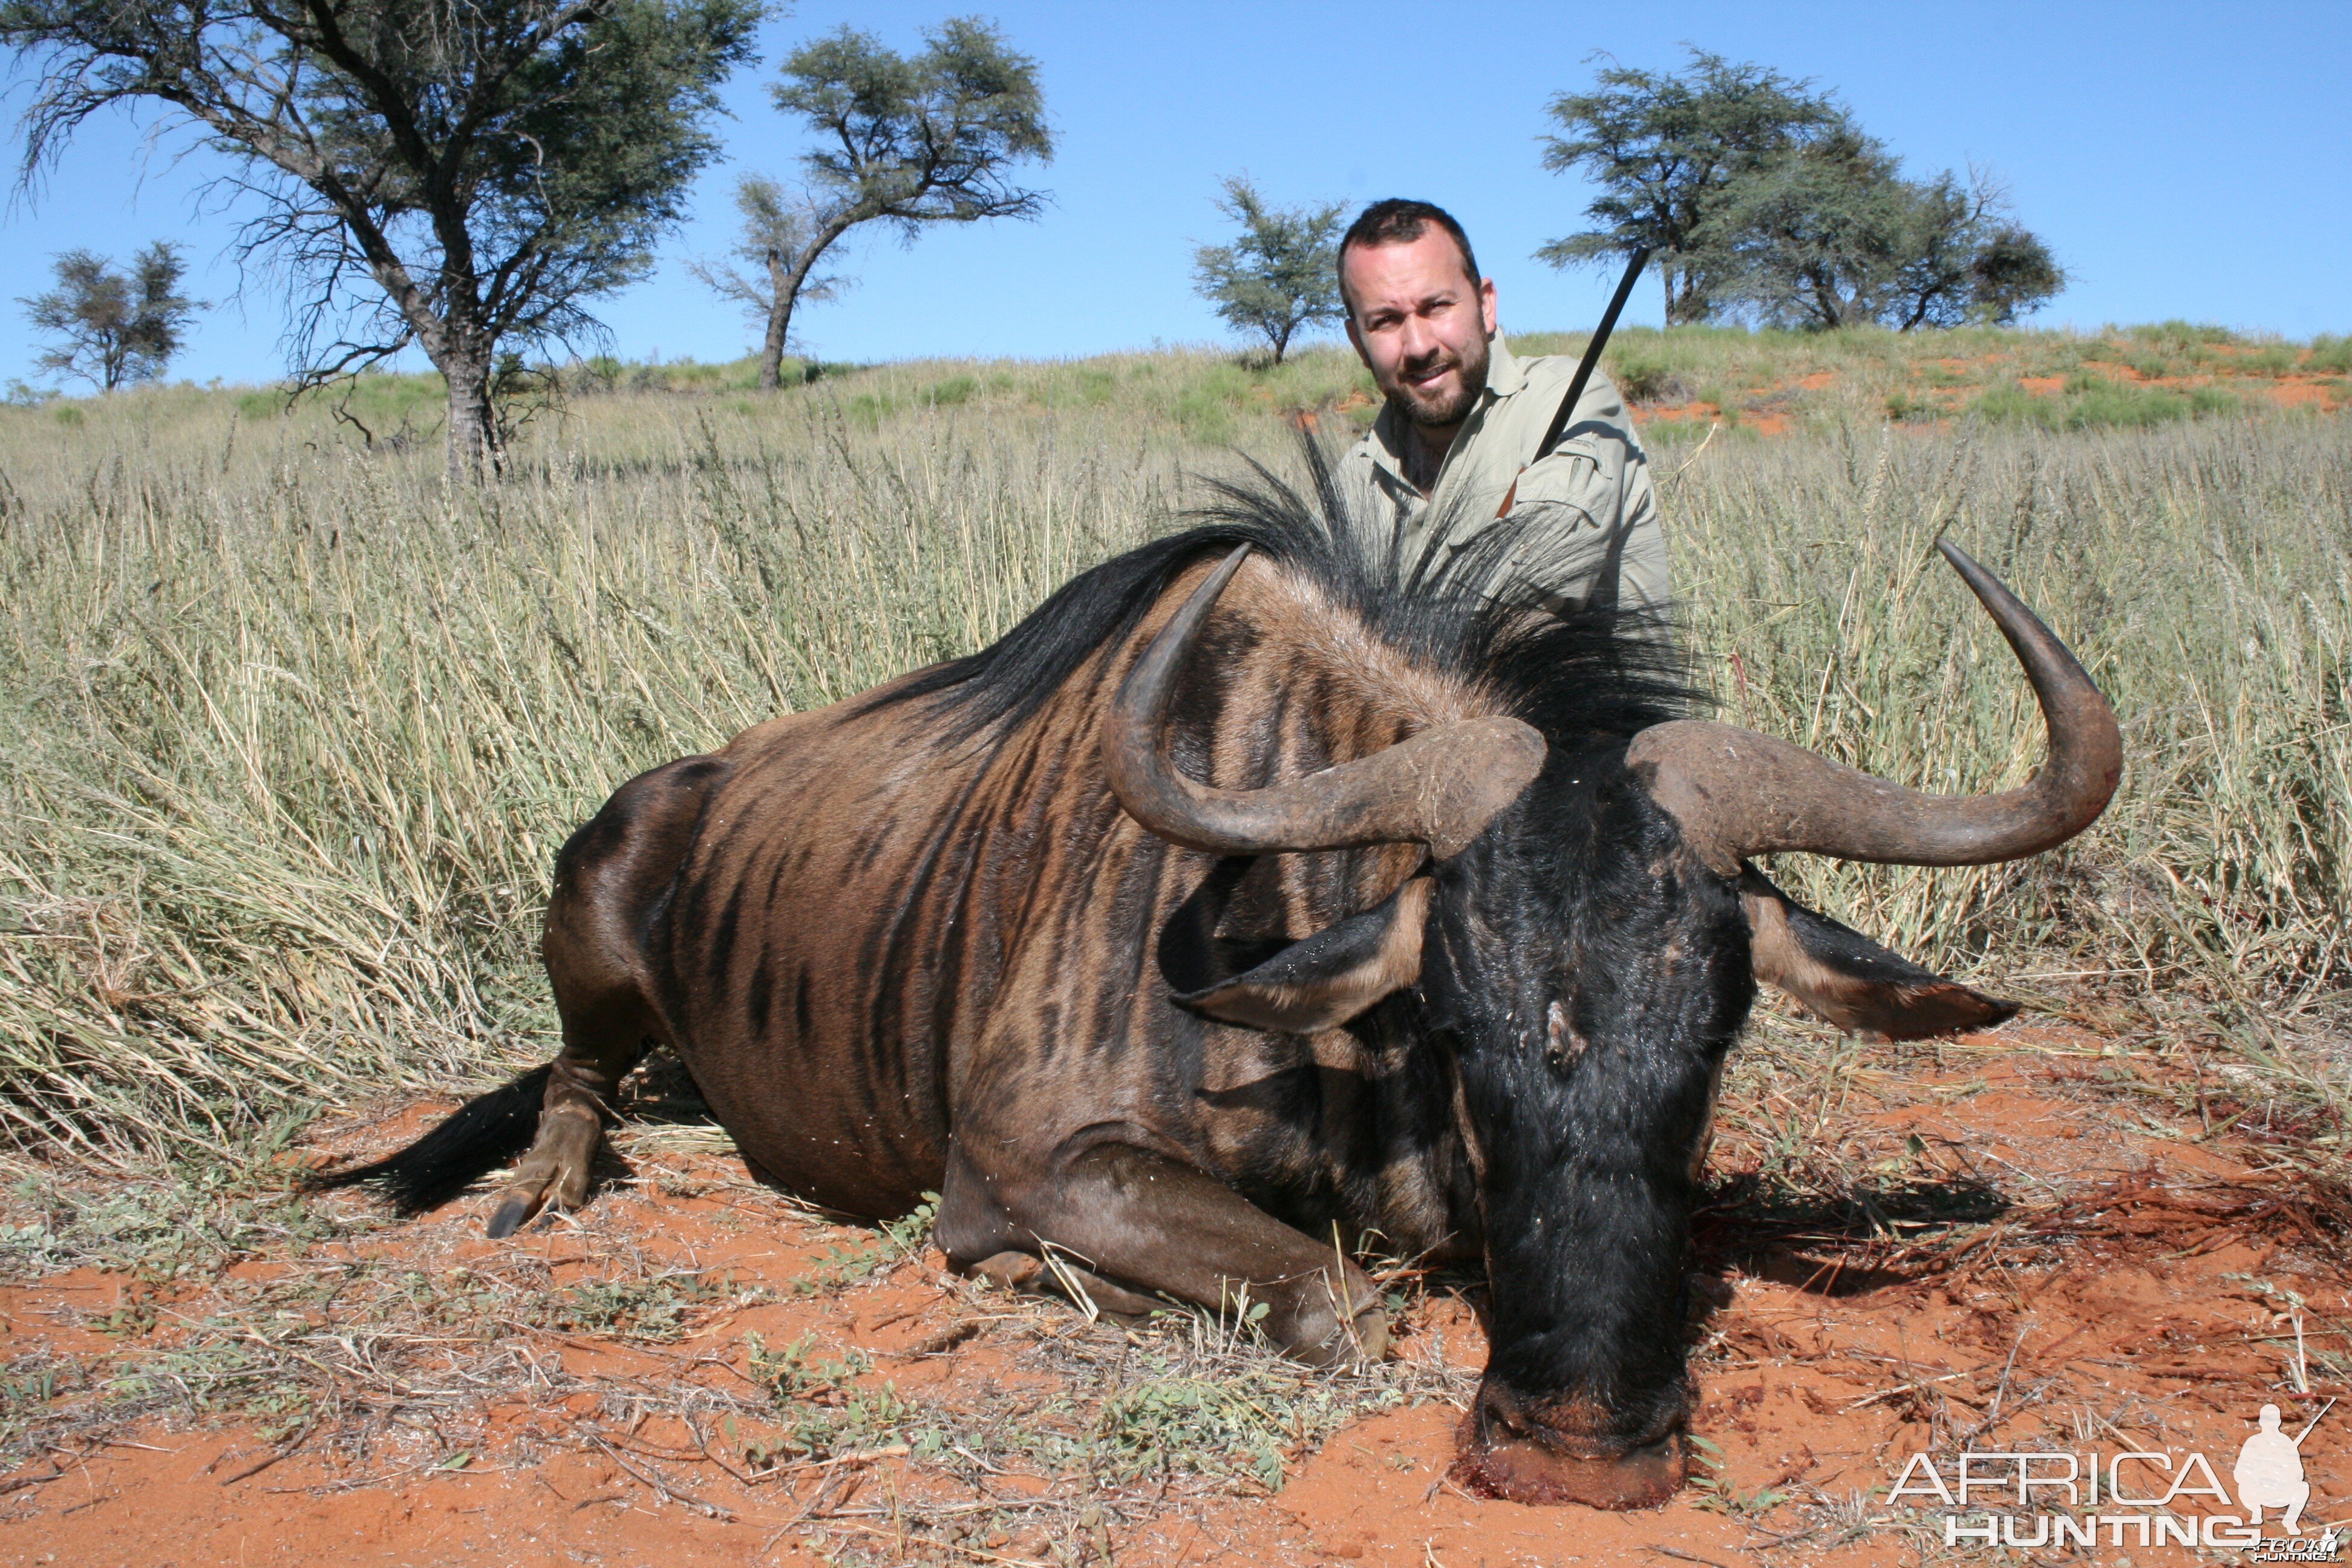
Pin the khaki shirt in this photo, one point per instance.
(1593, 479)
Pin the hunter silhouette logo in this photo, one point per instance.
(2269, 1471)
(2062, 1499)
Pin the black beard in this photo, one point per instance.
(1454, 410)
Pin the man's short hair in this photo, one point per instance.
(1400, 221)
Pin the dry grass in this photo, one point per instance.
(294, 732)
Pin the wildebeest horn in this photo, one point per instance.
(1440, 787)
(1736, 792)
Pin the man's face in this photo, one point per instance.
(1422, 325)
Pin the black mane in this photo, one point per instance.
(1570, 671)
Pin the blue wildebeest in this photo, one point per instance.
(1236, 907)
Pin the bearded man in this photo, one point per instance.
(1456, 444)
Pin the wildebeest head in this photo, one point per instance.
(1581, 944)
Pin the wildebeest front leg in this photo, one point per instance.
(1154, 1222)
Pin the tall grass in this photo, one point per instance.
(294, 731)
(2203, 573)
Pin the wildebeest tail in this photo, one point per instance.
(482, 1135)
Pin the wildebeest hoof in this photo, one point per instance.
(522, 1199)
(1032, 1276)
(1527, 1470)
(1013, 1270)
(554, 1173)
(514, 1208)
(1316, 1335)
(1370, 1341)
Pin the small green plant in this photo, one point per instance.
(226, 1373)
(27, 1388)
(868, 1418)
(949, 393)
(134, 1319)
(828, 1413)
(2119, 407)
(1188, 1424)
(652, 1311)
(1644, 379)
(1717, 1493)
(892, 1244)
(869, 408)
(2090, 403)
(2329, 355)
(2181, 336)
(158, 1230)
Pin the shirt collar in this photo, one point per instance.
(1504, 373)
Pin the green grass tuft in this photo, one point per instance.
(2329, 356)
(2089, 402)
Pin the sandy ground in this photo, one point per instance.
(2043, 1246)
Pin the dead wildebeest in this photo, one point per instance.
(1447, 944)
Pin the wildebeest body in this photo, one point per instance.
(1225, 916)
(870, 928)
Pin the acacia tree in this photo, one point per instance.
(1763, 198)
(908, 142)
(1832, 235)
(1815, 238)
(1665, 150)
(457, 176)
(1278, 277)
(779, 228)
(111, 328)
(2011, 273)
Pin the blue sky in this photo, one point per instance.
(2183, 161)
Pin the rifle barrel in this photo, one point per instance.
(1600, 341)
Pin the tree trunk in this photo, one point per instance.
(473, 428)
(788, 290)
(1681, 303)
(780, 315)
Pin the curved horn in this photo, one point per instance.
(1440, 788)
(1736, 792)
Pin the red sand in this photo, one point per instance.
(2134, 1303)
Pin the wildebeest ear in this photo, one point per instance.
(1850, 980)
(1324, 980)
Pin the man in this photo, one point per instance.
(1465, 417)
